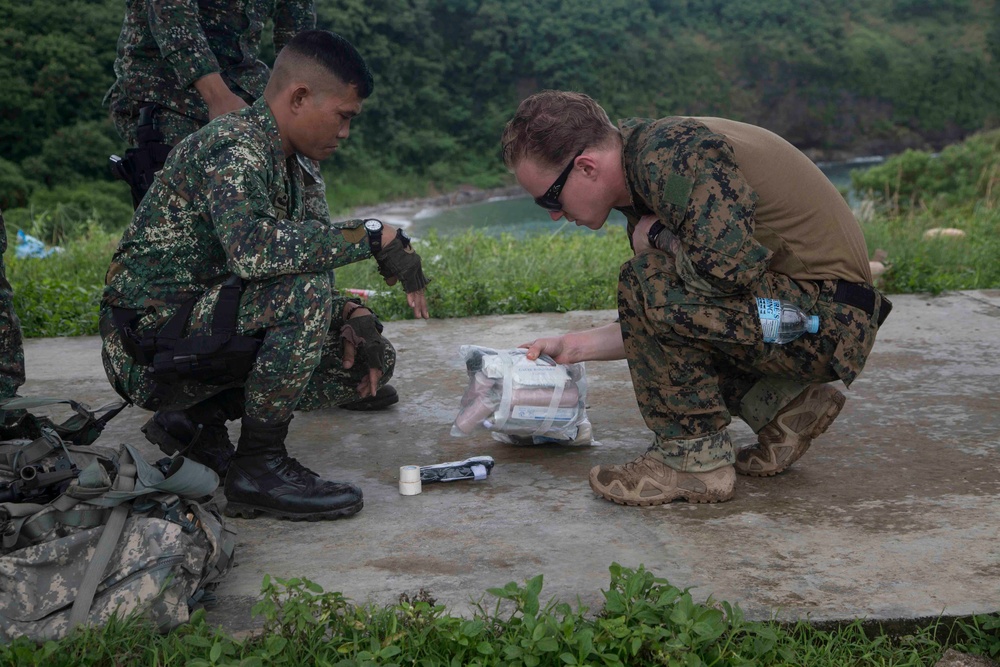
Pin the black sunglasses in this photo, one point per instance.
(550, 200)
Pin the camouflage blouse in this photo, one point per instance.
(686, 174)
(228, 201)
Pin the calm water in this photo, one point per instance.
(521, 217)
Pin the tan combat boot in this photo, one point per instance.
(787, 437)
(647, 481)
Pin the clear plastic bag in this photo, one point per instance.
(523, 402)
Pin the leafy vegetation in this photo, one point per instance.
(60, 294)
(835, 76)
(644, 621)
(963, 173)
(475, 274)
(918, 191)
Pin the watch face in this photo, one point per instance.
(373, 225)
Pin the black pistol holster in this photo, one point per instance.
(217, 358)
(141, 163)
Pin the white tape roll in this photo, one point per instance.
(409, 480)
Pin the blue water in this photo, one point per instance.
(521, 217)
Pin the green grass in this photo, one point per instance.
(568, 270)
(474, 274)
(644, 621)
(60, 294)
(351, 186)
(477, 275)
(919, 264)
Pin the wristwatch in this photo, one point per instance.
(403, 238)
(654, 233)
(373, 228)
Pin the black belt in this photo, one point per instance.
(864, 297)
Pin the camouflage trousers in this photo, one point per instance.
(698, 360)
(175, 126)
(11, 345)
(300, 362)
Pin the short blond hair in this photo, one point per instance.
(552, 126)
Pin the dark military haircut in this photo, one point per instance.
(336, 55)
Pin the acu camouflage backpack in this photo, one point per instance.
(90, 531)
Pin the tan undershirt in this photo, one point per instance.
(800, 214)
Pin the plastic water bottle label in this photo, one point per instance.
(770, 318)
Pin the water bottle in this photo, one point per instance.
(783, 321)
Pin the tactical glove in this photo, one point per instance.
(365, 333)
(400, 260)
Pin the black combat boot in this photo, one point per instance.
(263, 478)
(382, 399)
(199, 432)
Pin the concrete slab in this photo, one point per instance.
(892, 513)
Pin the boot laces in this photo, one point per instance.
(290, 467)
(635, 464)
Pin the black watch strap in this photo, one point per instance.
(374, 238)
(654, 233)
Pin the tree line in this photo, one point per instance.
(835, 77)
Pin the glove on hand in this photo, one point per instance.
(365, 333)
(399, 260)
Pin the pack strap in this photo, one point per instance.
(34, 528)
(14, 456)
(110, 536)
(82, 428)
(16, 514)
(185, 478)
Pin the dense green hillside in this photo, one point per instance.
(835, 77)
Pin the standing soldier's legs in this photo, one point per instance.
(151, 130)
(11, 345)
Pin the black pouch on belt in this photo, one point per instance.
(218, 358)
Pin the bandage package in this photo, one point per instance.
(521, 401)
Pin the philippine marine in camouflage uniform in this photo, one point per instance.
(11, 347)
(229, 202)
(193, 61)
(719, 213)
